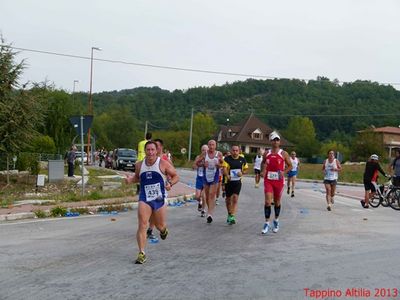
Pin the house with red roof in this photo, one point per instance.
(250, 135)
(390, 137)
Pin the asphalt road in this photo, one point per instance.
(93, 257)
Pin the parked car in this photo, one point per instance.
(78, 156)
(124, 159)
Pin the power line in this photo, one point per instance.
(299, 115)
(155, 126)
(143, 64)
(166, 67)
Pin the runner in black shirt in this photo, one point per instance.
(372, 168)
(234, 167)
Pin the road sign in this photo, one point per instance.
(76, 122)
(40, 180)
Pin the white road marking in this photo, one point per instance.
(51, 220)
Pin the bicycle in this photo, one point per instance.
(394, 200)
(386, 195)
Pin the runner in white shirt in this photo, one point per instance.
(292, 174)
(257, 168)
(212, 161)
(331, 168)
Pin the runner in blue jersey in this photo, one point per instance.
(152, 173)
(198, 165)
(163, 156)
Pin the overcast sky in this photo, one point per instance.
(343, 39)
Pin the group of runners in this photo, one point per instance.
(332, 167)
(156, 175)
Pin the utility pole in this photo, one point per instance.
(190, 136)
(145, 130)
(90, 105)
(82, 156)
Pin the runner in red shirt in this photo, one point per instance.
(275, 164)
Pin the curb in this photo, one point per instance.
(321, 181)
(31, 215)
(17, 216)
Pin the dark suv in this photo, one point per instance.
(124, 159)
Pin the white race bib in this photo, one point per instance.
(200, 172)
(234, 174)
(273, 175)
(210, 173)
(153, 192)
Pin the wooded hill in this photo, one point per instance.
(337, 110)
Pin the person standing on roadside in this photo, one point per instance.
(370, 178)
(152, 173)
(198, 165)
(331, 168)
(257, 168)
(141, 153)
(234, 167)
(71, 155)
(102, 155)
(292, 174)
(212, 161)
(275, 164)
(395, 168)
(141, 144)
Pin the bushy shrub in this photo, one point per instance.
(95, 195)
(43, 144)
(40, 214)
(28, 162)
(58, 211)
(81, 210)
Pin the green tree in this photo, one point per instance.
(301, 132)
(58, 108)
(43, 144)
(335, 146)
(20, 112)
(117, 128)
(204, 127)
(174, 141)
(366, 143)
(100, 127)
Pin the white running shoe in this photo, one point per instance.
(265, 228)
(276, 226)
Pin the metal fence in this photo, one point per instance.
(23, 160)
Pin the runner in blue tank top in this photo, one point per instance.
(152, 173)
(198, 165)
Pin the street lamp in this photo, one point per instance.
(73, 88)
(91, 80)
(76, 81)
(90, 103)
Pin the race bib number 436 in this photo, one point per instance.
(152, 191)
